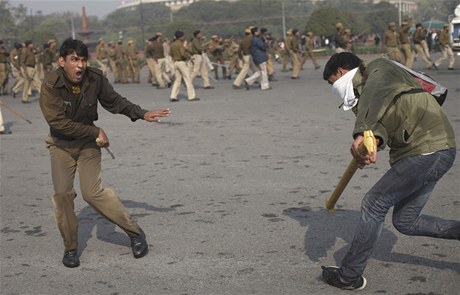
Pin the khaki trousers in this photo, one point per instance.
(295, 57)
(158, 70)
(151, 64)
(4, 77)
(2, 128)
(199, 67)
(182, 71)
(133, 69)
(310, 55)
(30, 80)
(394, 53)
(18, 84)
(262, 73)
(113, 66)
(447, 53)
(103, 66)
(86, 158)
(407, 56)
(423, 54)
(270, 70)
(244, 70)
(233, 65)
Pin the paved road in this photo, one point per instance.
(230, 191)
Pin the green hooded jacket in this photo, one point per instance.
(409, 123)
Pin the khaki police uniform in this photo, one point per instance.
(446, 50)
(391, 43)
(407, 56)
(199, 66)
(244, 52)
(28, 64)
(181, 71)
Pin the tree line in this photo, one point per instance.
(223, 18)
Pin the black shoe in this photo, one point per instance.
(173, 100)
(247, 85)
(14, 94)
(139, 245)
(209, 87)
(25, 101)
(71, 258)
(4, 132)
(450, 69)
(236, 87)
(332, 276)
(169, 84)
(295, 77)
(194, 99)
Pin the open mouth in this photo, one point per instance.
(78, 75)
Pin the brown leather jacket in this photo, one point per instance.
(71, 111)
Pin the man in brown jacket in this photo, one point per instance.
(446, 50)
(180, 55)
(391, 43)
(133, 66)
(244, 52)
(29, 71)
(294, 53)
(199, 65)
(69, 99)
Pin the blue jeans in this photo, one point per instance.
(406, 186)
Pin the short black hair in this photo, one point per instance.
(345, 60)
(71, 45)
(178, 34)
(254, 30)
(196, 33)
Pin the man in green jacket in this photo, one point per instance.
(68, 100)
(392, 104)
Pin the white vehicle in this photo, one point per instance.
(455, 29)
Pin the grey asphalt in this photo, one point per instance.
(230, 191)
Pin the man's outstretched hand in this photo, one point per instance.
(155, 115)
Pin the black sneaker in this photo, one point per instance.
(71, 259)
(332, 276)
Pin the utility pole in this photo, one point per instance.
(142, 22)
(260, 14)
(284, 18)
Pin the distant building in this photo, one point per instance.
(173, 4)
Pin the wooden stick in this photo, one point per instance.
(15, 112)
(368, 145)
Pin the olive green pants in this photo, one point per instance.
(86, 160)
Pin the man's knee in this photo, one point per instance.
(403, 224)
(374, 206)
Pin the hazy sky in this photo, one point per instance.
(99, 8)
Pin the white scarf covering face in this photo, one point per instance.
(344, 88)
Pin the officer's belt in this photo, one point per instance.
(61, 136)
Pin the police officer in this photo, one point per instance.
(199, 66)
(101, 56)
(28, 63)
(133, 66)
(3, 69)
(446, 50)
(391, 43)
(68, 102)
(407, 56)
